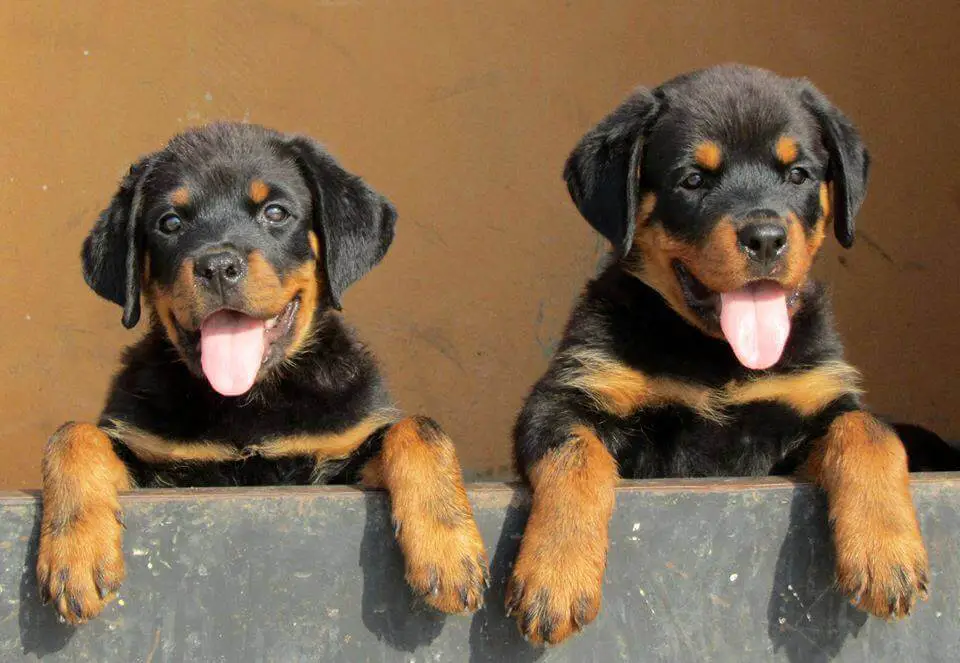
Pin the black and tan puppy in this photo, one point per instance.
(241, 242)
(705, 348)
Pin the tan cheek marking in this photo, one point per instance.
(314, 244)
(824, 199)
(180, 196)
(146, 271)
(650, 261)
(303, 280)
(258, 191)
(179, 302)
(647, 205)
(786, 150)
(708, 155)
(720, 265)
(263, 290)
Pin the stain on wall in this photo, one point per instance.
(462, 113)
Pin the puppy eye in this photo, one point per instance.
(275, 213)
(797, 176)
(170, 224)
(692, 181)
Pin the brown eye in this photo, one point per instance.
(797, 176)
(170, 224)
(692, 181)
(275, 213)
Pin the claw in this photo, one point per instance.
(580, 614)
(75, 606)
(434, 583)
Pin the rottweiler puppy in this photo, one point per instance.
(705, 348)
(241, 241)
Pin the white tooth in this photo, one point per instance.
(271, 323)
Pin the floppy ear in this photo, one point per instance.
(603, 171)
(849, 161)
(112, 251)
(355, 222)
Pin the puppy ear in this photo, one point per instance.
(355, 222)
(603, 171)
(849, 161)
(112, 251)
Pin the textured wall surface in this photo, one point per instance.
(698, 571)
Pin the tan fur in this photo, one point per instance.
(80, 561)
(647, 204)
(557, 579)
(180, 197)
(621, 390)
(786, 150)
(708, 155)
(266, 294)
(444, 555)
(258, 191)
(152, 449)
(881, 559)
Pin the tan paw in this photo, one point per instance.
(80, 563)
(445, 565)
(883, 574)
(552, 600)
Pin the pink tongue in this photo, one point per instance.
(755, 322)
(231, 351)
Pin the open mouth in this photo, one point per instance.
(234, 346)
(754, 319)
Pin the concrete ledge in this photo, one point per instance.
(727, 570)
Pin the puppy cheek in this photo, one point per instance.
(175, 304)
(651, 260)
(803, 244)
(306, 281)
(720, 264)
(263, 291)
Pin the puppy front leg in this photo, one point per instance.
(881, 559)
(445, 560)
(557, 579)
(80, 564)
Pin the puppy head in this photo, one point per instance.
(236, 236)
(716, 189)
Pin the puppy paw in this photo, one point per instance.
(552, 601)
(884, 575)
(80, 563)
(445, 565)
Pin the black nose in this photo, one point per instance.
(763, 242)
(222, 269)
